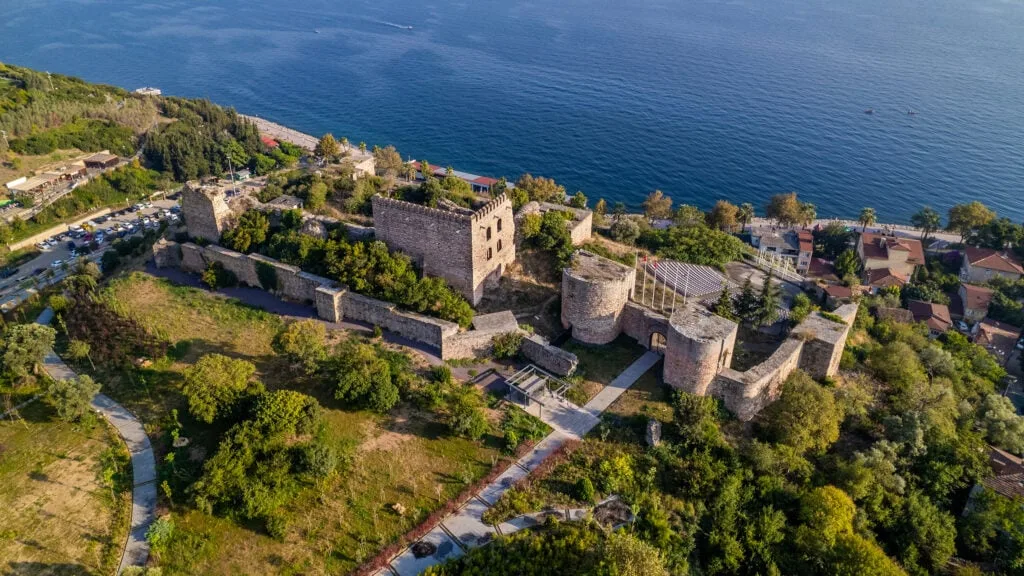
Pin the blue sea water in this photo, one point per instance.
(703, 99)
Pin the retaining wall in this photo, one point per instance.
(747, 393)
(551, 358)
(429, 331)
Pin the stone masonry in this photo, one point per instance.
(699, 344)
(205, 210)
(469, 250)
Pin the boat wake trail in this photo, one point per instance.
(392, 24)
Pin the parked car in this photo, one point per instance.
(56, 263)
(44, 246)
(38, 271)
(1020, 344)
(962, 326)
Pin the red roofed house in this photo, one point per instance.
(479, 184)
(975, 301)
(881, 251)
(1007, 478)
(983, 264)
(935, 316)
(268, 141)
(998, 338)
(880, 278)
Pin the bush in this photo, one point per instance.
(215, 383)
(304, 343)
(217, 276)
(318, 459)
(465, 413)
(507, 345)
(585, 490)
(441, 374)
(625, 230)
(72, 397)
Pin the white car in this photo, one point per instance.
(44, 246)
(56, 263)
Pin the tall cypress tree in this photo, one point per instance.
(746, 305)
(767, 311)
(724, 306)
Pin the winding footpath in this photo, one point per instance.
(136, 549)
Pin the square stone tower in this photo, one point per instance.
(205, 210)
(470, 249)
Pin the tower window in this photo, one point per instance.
(490, 253)
(499, 224)
(489, 232)
(499, 244)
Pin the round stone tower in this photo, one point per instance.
(594, 292)
(699, 346)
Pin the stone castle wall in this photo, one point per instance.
(699, 346)
(429, 331)
(551, 358)
(641, 323)
(826, 341)
(450, 245)
(747, 393)
(595, 291)
(205, 211)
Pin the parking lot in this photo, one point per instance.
(65, 247)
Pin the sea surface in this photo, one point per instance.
(703, 99)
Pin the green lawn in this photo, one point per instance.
(599, 365)
(57, 513)
(403, 458)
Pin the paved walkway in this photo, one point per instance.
(136, 550)
(466, 529)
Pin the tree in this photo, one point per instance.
(316, 197)
(630, 556)
(926, 536)
(745, 214)
(1003, 427)
(465, 415)
(724, 215)
(388, 161)
(363, 377)
(747, 303)
(214, 383)
(71, 398)
(928, 220)
(657, 206)
(327, 148)
(250, 232)
(805, 416)
(79, 350)
(689, 216)
(867, 218)
(831, 240)
(578, 200)
(601, 208)
(624, 230)
(304, 343)
(966, 218)
(994, 528)
(540, 189)
(808, 212)
(768, 302)
(847, 264)
(723, 306)
(23, 348)
(784, 209)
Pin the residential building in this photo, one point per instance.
(974, 301)
(1006, 479)
(882, 278)
(900, 256)
(981, 265)
(479, 184)
(48, 179)
(101, 160)
(999, 338)
(795, 245)
(935, 316)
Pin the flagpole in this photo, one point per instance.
(664, 286)
(643, 287)
(675, 290)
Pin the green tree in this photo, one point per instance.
(601, 208)
(746, 214)
(629, 556)
(689, 216)
(304, 343)
(215, 383)
(1003, 427)
(79, 350)
(363, 377)
(724, 306)
(578, 200)
(964, 219)
(23, 348)
(388, 161)
(746, 304)
(540, 189)
(327, 148)
(928, 220)
(831, 240)
(994, 529)
(768, 303)
(316, 197)
(250, 232)
(847, 264)
(926, 537)
(805, 416)
(71, 398)
(657, 206)
(465, 415)
(625, 230)
(867, 218)
(724, 216)
(784, 209)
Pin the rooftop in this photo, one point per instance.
(590, 266)
(884, 277)
(999, 337)
(700, 324)
(977, 297)
(878, 247)
(999, 260)
(936, 316)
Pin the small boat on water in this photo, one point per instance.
(869, 111)
(316, 31)
(911, 112)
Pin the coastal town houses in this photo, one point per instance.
(888, 260)
(935, 316)
(794, 245)
(1006, 478)
(981, 265)
(971, 302)
(479, 184)
(999, 338)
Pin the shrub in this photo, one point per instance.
(318, 459)
(215, 383)
(304, 343)
(507, 345)
(441, 374)
(585, 490)
(217, 276)
(377, 331)
(465, 413)
(72, 397)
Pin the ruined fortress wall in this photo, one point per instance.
(430, 331)
(166, 254)
(192, 259)
(640, 323)
(592, 306)
(439, 241)
(471, 344)
(493, 231)
(241, 265)
(581, 230)
(825, 341)
(205, 212)
(328, 301)
(699, 346)
(551, 358)
(747, 393)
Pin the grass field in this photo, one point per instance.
(65, 496)
(403, 458)
(599, 365)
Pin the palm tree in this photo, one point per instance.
(808, 212)
(867, 218)
(928, 220)
(745, 214)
